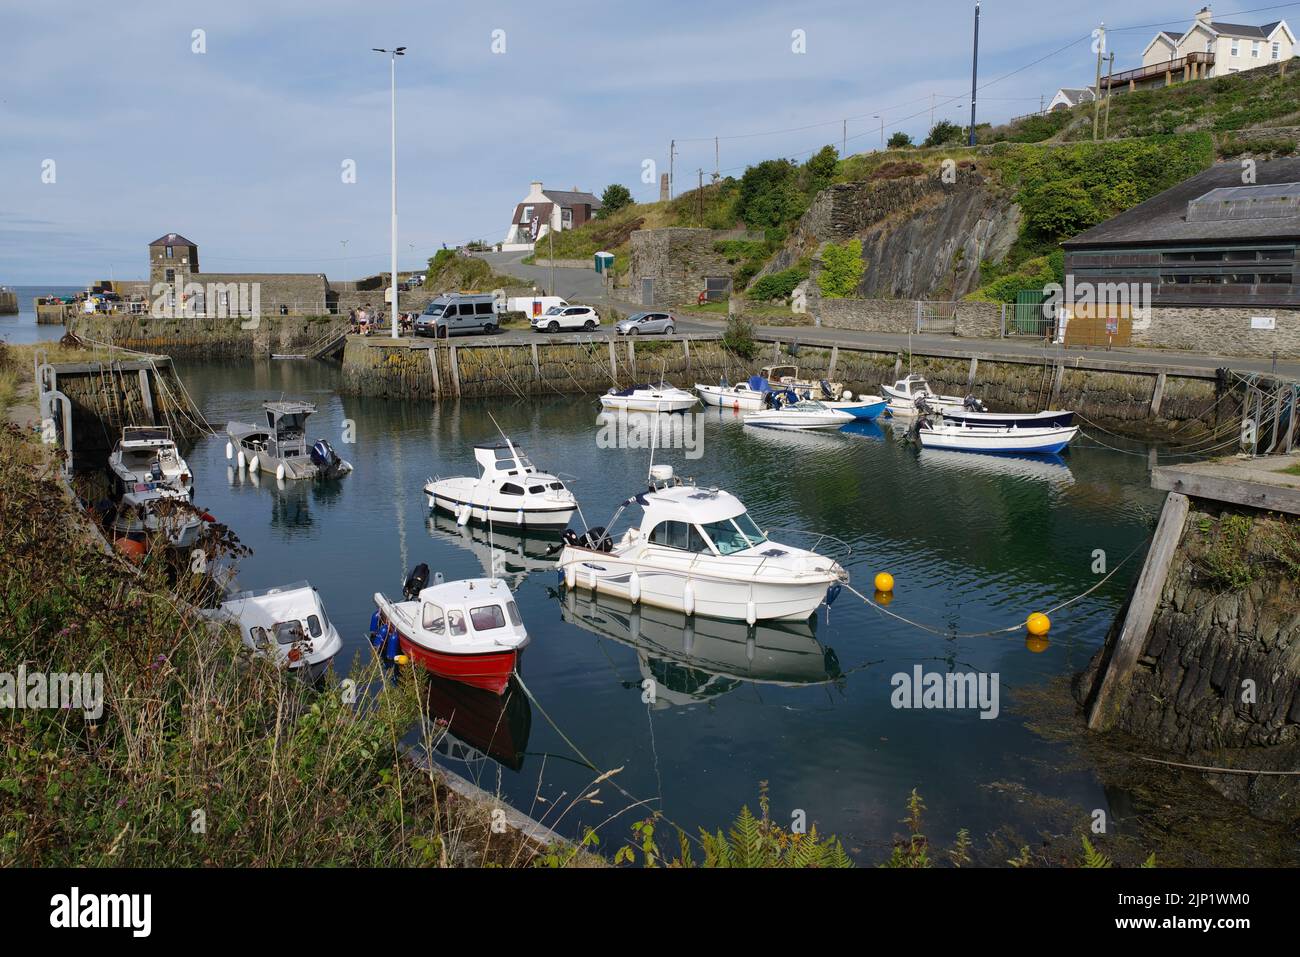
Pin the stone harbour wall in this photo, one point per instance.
(202, 338)
(1220, 330)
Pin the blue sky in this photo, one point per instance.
(240, 148)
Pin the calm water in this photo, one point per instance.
(973, 543)
(22, 328)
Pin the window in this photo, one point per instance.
(169, 275)
(528, 214)
(170, 254)
(566, 216)
(1275, 279)
(514, 614)
(510, 488)
(456, 621)
(466, 309)
(1236, 44)
(1254, 49)
(726, 536)
(258, 634)
(483, 308)
(487, 617)
(288, 632)
(433, 619)
(750, 528)
(1277, 50)
(313, 625)
(536, 489)
(679, 535)
(557, 486)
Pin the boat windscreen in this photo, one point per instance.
(749, 528)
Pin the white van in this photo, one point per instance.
(533, 306)
(458, 313)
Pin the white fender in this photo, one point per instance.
(240, 460)
(230, 451)
(591, 581)
(254, 465)
(279, 472)
(688, 598)
(751, 613)
(519, 516)
(430, 501)
(634, 588)
(462, 514)
(570, 576)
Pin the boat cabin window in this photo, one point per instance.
(313, 625)
(536, 489)
(557, 486)
(456, 621)
(288, 632)
(510, 488)
(749, 528)
(487, 617)
(726, 537)
(433, 618)
(258, 634)
(514, 614)
(681, 535)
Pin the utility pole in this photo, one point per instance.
(392, 57)
(550, 242)
(1110, 72)
(882, 132)
(1096, 90)
(699, 200)
(844, 141)
(931, 112)
(672, 154)
(717, 162)
(1041, 98)
(974, 72)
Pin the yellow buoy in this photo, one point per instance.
(1038, 624)
(884, 597)
(884, 582)
(1035, 644)
(401, 659)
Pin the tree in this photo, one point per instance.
(821, 166)
(842, 269)
(900, 141)
(770, 194)
(943, 133)
(614, 198)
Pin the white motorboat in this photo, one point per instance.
(507, 491)
(864, 408)
(648, 398)
(285, 623)
(697, 551)
(469, 631)
(741, 397)
(971, 438)
(280, 447)
(912, 395)
(804, 414)
(152, 488)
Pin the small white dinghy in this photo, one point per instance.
(970, 438)
(804, 414)
(912, 395)
(648, 398)
(508, 491)
(285, 623)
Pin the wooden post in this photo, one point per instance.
(1157, 395)
(835, 357)
(613, 363)
(970, 376)
(455, 373)
(146, 396)
(1141, 611)
(433, 363)
(1057, 381)
(537, 365)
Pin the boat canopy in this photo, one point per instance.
(759, 384)
(288, 415)
(686, 503)
(506, 459)
(151, 436)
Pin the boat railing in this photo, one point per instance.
(819, 542)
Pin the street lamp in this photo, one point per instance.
(392, 56)
(877, 116)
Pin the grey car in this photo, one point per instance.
(646, 323)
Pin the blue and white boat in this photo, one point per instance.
(864, 407)
(996, 439)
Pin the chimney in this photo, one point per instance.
(1205, 15)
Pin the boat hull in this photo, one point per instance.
(1032, 420)
(1028, 441)
(863, 411)
(490, 671)
(451, 499)
(624, 403)
(743, 400)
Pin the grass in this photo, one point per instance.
(1291, 470)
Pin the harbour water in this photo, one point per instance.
(974, 544)
(22, 328)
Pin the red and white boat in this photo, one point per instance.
(469, 630)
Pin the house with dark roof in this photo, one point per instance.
(1208, 47)
(544, 210)
(1212, 262)
(1068, 96)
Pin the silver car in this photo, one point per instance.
(646, 323)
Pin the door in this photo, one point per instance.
(647, 292)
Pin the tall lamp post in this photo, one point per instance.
(392, 57)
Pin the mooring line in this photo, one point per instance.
(1205, 767)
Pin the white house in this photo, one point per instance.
(1068, 96)
(1217, 49)
(547, 209)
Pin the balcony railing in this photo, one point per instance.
(1144, 73)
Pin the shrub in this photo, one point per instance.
(900, 141)
(944, 133)
(777, 285)
(614, 198)
(738, 338)
(842, 269)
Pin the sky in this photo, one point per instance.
(238, 136)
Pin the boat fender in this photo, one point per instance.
(570, 576)
(688, 598)
(393, 648)
(208, 517)
(378, 634)
(751, 613)
(462, 515)
(230, 451)
(374, 625)
(254, 465)
(519, 516)
(634, 588)
(239, 460)
(279, 472)
(832, 593)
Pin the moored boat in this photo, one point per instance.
(469, 631)
(912, 395)
(864, 408)
(649, 398)
(280, 447)
(971, 438)
(787, 377)
(803, 414)
(508, 491)
(153, 486)
(1040, 420)
(741, 397)
(285, 623)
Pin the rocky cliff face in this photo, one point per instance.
(922, 237)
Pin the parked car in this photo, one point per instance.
(647, 323)
(566, 317)
(455, 314)
(532, 306)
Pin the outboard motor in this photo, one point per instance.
(827, 392)
(325, 458)
(416, 582)
(594, 538)
(972, 404)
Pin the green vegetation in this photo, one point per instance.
(945, 133)
(9, 373)
(745, 256)
(615, 197)
(778, 285)
(738, 338)
(842, 269)
(1239, 549)
(451, 271)
(900, 141)
(1233, 146)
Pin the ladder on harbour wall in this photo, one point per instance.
(936, 317)
(1269, 410)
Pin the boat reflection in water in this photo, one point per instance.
(473, 725)
(515, 551)
(1045, 468)
(697, 659)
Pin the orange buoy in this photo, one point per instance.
(1038, 624)
(884, 582)
(131, 548)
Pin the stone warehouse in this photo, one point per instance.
(674, 266)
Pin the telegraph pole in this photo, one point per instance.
(672, 154)
(699, 200)
(974, 72)
(1110, 73)
(1096, 90)
(844, 143)
(717, 162)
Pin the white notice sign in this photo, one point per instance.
(1263, 322)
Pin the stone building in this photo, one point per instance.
(673, 266)
(174, 262)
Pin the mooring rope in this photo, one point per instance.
(1205, 767)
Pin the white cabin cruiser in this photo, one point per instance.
(285, 623)
(152, 487)
(741, 397)
(648, 398)
(507, 491)
(804, 414)
(912, 395)
(697, 551)
(280, 447)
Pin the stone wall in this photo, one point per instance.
(678, 259)
(974, 319)
(202, 338)
(1220, 330)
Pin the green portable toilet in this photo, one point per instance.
(604, 262)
